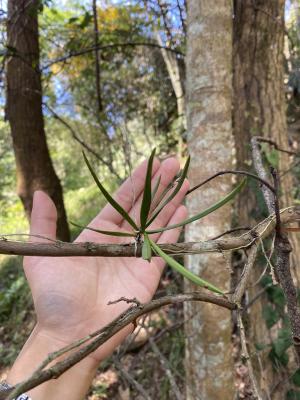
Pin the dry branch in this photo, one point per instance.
(282, 248)
(246, 357)
(90, 249)
(96, 339)
(107, 47)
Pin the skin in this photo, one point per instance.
(71, 294)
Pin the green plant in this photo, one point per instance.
(147, 217)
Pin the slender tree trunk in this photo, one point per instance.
(209, 364)
(24, 111)
(177, 84)
(260, 109)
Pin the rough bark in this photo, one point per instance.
(209, 99)
(24, 111)
(259, 95)
(259, 109)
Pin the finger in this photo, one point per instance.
(43, 218)
(168, 170)
(169, 210)
(126, 195)
(91, 236)
(42, 222)
(172, 235)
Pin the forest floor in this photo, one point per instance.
(149, 365)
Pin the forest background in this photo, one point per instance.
(118, 78)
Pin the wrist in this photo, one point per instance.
(73, 384)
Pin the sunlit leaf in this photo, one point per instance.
(147, 196)
(209, 210)
(108, 197)
(110, 233)
(173, 194)
(183, 271)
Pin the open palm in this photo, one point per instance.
(71, 294)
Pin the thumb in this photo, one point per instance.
(42, 223)
(43, 217)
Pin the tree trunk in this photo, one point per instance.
(209, 363)
(24, 111)
(259, 109)
(173, 69)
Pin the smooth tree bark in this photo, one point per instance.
(173, 69)
(209, 365)
(24, 111)
(259, 109)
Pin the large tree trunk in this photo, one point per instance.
(24, 111)
(259, 109)
(209, 364)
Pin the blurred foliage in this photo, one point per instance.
(16, 309)
(293, 61)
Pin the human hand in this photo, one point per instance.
(71, 294)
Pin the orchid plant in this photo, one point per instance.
(150, 209)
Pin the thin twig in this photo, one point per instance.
(246, 357)
(82, 142)
(242, 285)
(97, 57)
(139, 388)
(245, 173)
(269, 263)
(275, 145)
(282, 248)
(128, 301)
(96, 339)
(165, 364)
(238, 229)
(107, 47)
(276, 201)
(256, 297)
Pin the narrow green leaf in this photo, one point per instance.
(173, 194)
(108, 197)
(209, 210)
(183, 271)
(146, 249)
(110, 233)
(155, 189)
(147, 196)
(166, 191)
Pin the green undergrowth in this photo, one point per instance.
(82, 205)
(279, 349)
(16, 310)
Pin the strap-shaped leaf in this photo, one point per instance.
(110, 233)
(156, 186)
(147, 196)
(183, 271)
(166, 191)
(173, 194)
(146, 249)
(209, 210)
(108, 197)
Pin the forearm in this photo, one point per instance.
(72, 385)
